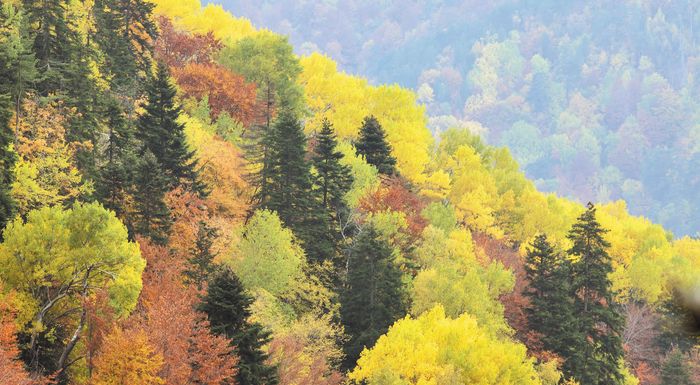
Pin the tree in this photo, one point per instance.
(268, 255)
(675, 370)
(373, 297)
(596, 348)
(227, 306)
(125, 32)
(16, 71)
(267, 60)
(287, 188)
(333, 179)
(7, 163)
(126, 357)
(201, 255)
(434, 349)
(115, 172)
(12, 370)
(58, 259)
(163, 134)
(151, 216)
(178, 48)
(225, 91)
(550, 312)
(45, 173)
(372, 144)
(177, 331)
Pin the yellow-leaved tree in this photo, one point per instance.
(434, 349)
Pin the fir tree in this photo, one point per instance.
(125, 32)
(115, 173)
(550, 313)
(151, 217)
(164, 136)
(675, 370)
(334, 180)
(228, 309)
(596, 350)
(201, 255)
(373, 146)
(7, 163)
(287, 188)
(373, 297)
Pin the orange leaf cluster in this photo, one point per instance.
(177, 48)
(191, 354)
(395, 195)
(227, 91)
(12, 370)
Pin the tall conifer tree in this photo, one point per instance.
(151, 216)
(373, 298)
(287, 187)
(550, 313)
(227, 306)
(373, 145)
(675, 370)
(164, 136)
(596, 351)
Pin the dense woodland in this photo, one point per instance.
(186, 201)
(596, 99)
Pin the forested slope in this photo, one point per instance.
(596, 100)
(186, 201)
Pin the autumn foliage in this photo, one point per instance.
(227, 91)
(395, 195)
(177, 48)
(12, 370)
(175, 329)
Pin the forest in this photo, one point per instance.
(560, 82)
(185, 200)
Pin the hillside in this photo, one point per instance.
(185, 200)
(596, 101)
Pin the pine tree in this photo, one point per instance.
(596, 349)
(373, 297)
(228, 309)
(373, 146)
(151, 216)
(116, 171)
(202, 256)
(675, 370)
(334, 180)
(125, 33)
(164, 136)
(7, 163)
(53, 42)
(550, 313)
(287, 188)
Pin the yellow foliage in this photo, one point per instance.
(436, 350)
(346, 100)
(189, 15)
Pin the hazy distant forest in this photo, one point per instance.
(188, 198)
(597, 100)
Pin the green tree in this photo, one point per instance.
(333, 179)
(151, 216)
(373, 297)
(675, 370)
(125, 32)
(596, 348)
(116, 168)
(269, 61)
(227, 306)
(201, 260)
(373, 145)
(58, 259)
(287, 188)
(164, 136)
(550, 313)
